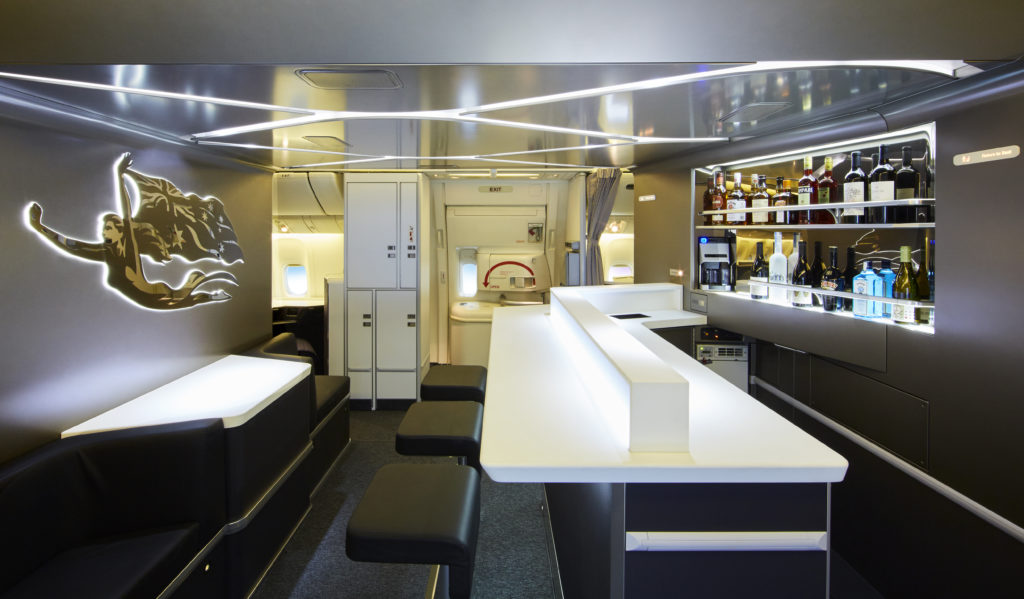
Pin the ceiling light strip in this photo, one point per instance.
(228, 144)
(153, 93)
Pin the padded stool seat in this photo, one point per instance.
(420, 514)
(454, 382)
(442, 428)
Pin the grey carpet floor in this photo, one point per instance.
(512, 559)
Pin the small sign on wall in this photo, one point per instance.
(495, 189)
(1003, 153)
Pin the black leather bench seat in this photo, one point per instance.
(135, 566)
(419, 514)
(442, 428)
(454, 382)
(329, 392)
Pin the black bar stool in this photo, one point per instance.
(420, 514)
(442, 428)
(454, 383)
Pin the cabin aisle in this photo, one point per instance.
(512, 557)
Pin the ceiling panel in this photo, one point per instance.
(766, 102)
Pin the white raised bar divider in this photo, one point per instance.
(643, 399)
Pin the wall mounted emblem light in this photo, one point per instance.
(166, 223)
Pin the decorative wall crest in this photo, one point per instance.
(165, 223)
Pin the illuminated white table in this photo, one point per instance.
(234, 389)
(752, 482)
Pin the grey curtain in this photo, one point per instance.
(602, 185)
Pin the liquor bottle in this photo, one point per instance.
(737, 200)
(924, 290)
(827, 195)
(848, 274)
(802, 278)
(904, 287)
(718, 198)
(759, 275)
(867, 283)
(708, 194)
(783, 197)
(793, 259)
(806, 194)
(832, 280)
(777, 265)
(907, 186)
(759, 199)
(854, 190)
(817, 265)
(882, 187)
(888, 276)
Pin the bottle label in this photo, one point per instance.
(883, 191)
(717, 204)
(802, 298)
(905, 193)
(901, 313)
(780, 215)
(803, 196)
(758, 291)
(759, 217)
(823, 195)
(853, 192)
(736, 217)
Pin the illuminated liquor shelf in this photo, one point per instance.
(835, 206)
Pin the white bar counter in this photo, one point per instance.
(234, 388)
(541, 425)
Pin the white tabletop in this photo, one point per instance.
(234, 388)
(539, 425)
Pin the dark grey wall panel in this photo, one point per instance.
(74, 347)
(846, 339)
(887, 416)
(909, 541)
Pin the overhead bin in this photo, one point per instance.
(307, 194)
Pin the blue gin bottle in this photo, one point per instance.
(867, 283)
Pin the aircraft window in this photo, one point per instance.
(296, 283)
(467, 273)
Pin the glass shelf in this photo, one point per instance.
(848, 295)
(772, 227)
(916, 327)
(830, 206)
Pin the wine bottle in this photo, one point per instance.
(737, 200)
(718, 199)
(907, 188)
(848, 274)
(867, 283)
(792, 260)
(924, 287)
(777, 266)
(882, 187)
(759, 275)
(904, 286)
(783, 197)
(827, 195)
(759, 199)
(854, 190)
(832, 280)
(807, 194)
(817, 266)
(802, 278)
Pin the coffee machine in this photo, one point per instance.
(715, 263)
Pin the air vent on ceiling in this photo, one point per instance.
(350, 78)
(758, 111)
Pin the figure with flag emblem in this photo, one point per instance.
(167, 223)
